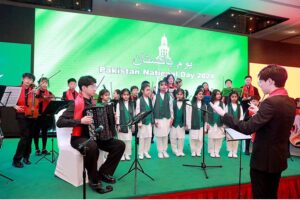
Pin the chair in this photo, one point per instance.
(70, 161)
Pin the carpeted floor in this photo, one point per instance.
(38, 180)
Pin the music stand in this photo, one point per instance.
(234, 135)
(8, 98)
(203, 165)
(9, 95)
(1, 138)
(135, 166)
(53, 108)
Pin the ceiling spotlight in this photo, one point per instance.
(268, 22)
(217, 23)
(137, 4)
(77, 3)
(234, 26)
(232, 14)
(250, 29)
(251, 18)
(179, 11)
(49, 0)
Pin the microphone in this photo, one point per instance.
(99, 129)
(183, 100)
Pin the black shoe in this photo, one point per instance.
(107, 179)
(38, 152)
(98, 188)
(45, 152)
(17, 164)
(26, 161)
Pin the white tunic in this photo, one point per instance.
(234, 107)
(178, 132)
(195, 134)
(214, 131)
(163, 125)
(123, 136)
(146, 130)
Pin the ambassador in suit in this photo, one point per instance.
(272, 124)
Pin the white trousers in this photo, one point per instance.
(128, 146)
(144, 145)
(232, 146)
(162, 144)
(177, 145)
(196, 146)
(214, 145)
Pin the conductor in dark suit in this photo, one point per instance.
(272, 124)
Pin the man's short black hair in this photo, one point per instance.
(86, 81)
(72, 80)
(275, 72)
(134, 87)
(29, 75)
(228, 80)
(248, 77)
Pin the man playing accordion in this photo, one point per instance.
(74, 117)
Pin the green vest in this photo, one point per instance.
(214, 118)
(162, 107)
(179, 114)
(236, 114)
(197, 115)
(125, 116)
(145, 107)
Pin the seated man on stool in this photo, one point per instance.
(74, 117)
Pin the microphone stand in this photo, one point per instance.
(203, 165)
(84, 147)
(135, 166)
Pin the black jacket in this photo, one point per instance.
(272, 124)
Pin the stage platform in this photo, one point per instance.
(171, 177)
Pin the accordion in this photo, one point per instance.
(103, 127)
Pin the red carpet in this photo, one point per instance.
(289, 188)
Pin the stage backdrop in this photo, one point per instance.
(128, 52)
(292, 84)
(15, 59)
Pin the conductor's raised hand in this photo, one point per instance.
(217, 109)
(86, 120)
(252, 108)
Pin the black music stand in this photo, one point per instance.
(203, 165)
(8, 98)
(53, 108)
(135, 166)
(1, 138)
(9, 95)
(234, 135)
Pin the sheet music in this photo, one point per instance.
(13, 94)
(233, 135)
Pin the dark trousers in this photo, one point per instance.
(264, 184)
(247, 148)
(41, 126)
(115, 149)
(26, 126)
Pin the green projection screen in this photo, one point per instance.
(128, 52)
(15, 59)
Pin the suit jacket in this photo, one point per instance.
(272, 124)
